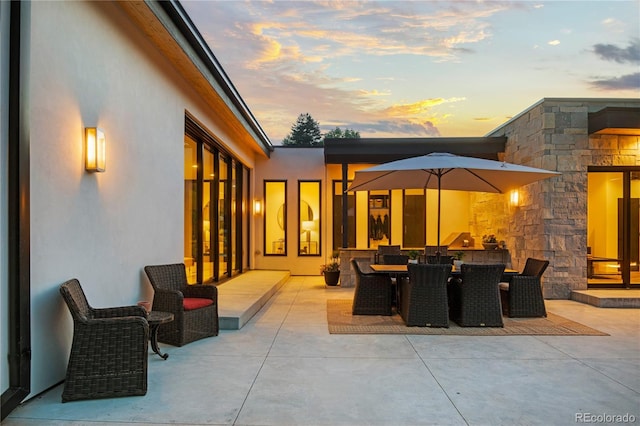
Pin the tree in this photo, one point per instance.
(306, 132)
(338, 133)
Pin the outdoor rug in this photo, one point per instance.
(342, 322)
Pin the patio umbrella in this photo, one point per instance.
(447, 171)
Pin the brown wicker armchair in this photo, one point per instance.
(424, 296)
(475, 302)
(522, 295)
(109, 350)
(373, 292)
(195, 307)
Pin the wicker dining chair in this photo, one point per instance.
(424, 296)
(475, 301)
(395, 259)
(373, 292)
(194, 307)
(109, 349)
(443, 260)
(385, 250)
(522, 295)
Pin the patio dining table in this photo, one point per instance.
(403, 269)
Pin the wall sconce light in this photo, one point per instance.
(257, 207)
(514, 198)
(95, 149)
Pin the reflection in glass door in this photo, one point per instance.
(613, 235)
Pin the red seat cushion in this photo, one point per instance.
(191, 303)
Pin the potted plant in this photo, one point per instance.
(331, 270)
(489, 242)
(457, 259)
(413, 256)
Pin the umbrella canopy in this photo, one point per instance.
(447, 171)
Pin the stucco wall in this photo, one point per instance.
(551, 221)
(293, 164)
(4, 119)
(91, 66)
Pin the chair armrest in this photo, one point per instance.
(525, 284)
(120, 311)
(168, 300)
(128, 334)
(201, 291)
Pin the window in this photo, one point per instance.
(275, 218)
(309, 227)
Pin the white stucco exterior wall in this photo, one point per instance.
(92, 67)
(293, 164)
(4, 120)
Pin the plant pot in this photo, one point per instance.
(490, 246)
(415, 261)
(457, 264)
(331, 277)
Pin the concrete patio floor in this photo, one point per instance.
(284, 368)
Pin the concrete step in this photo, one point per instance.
(608, 298)
(241, 297)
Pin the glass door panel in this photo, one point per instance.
(223, 219)
(603, 262)
(414, 219)
(208, 214)
(190, 210)
(337, 216)
(613, 235)
(379, 219)
(634, 229)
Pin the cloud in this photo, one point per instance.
(553, 42)
(626, 82)
(395, 128)
(610, 52)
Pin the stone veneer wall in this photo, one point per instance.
(551, 220)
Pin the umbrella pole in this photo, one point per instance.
(438, 249)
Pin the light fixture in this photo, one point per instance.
(95, 149)
(308, 225)
(257, 207)
(514, 198)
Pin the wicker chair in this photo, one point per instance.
(522, 295)
(433, 250)
(373, 292)
(395, 259)
(443, 260)
(195, 307)
(386, 249)
(109, 350)
(475, 302)
(424, 296)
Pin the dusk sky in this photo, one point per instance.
(418, 68)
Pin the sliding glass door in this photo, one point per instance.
(613, 234)
(216, 224)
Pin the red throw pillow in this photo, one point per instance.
(191, 303)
